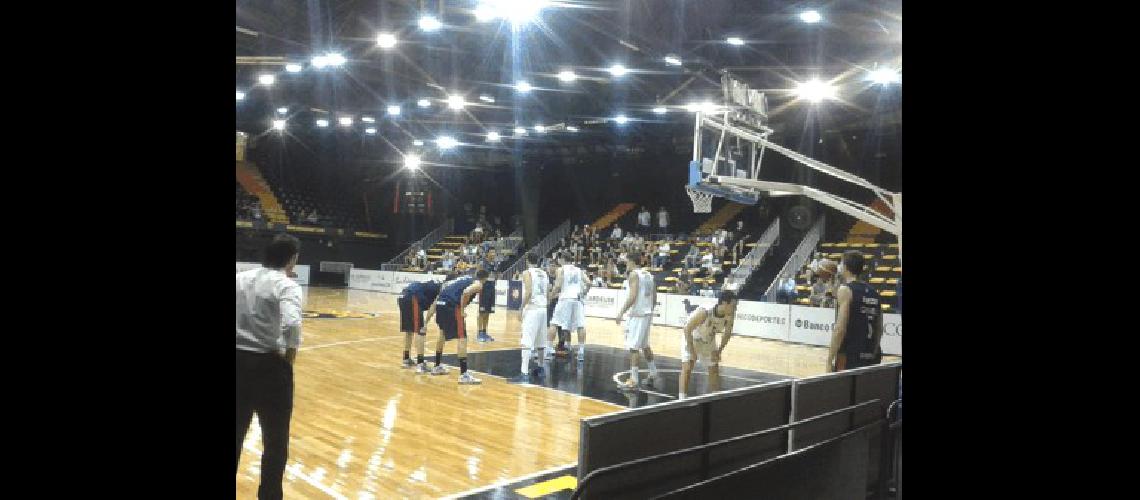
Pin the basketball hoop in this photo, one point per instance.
(702, 201)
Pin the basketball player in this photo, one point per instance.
(454, 295)
(560, 351)
(858, 320)
(641, 297)
(570, 285)
(535, 285)
(486, 307)
(699, 340)
(412, 301)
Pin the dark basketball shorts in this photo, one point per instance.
(411, 314)
(450, 321)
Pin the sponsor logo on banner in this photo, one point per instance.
(892, 334)
(601, 302)
(501, 289)
(761, 319)
(811, 325)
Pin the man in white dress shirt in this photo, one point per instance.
(268, 335)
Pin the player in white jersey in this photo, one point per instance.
(641, 297)
(699, 339)
(571, 286)
(534, 299)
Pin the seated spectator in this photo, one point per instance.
(313, 218)
(597, 280)
(662, 255)
(616, 235)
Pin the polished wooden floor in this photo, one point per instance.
(365, 428)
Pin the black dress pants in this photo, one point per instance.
(265, 387)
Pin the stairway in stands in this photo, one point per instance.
(613, 215)
(863, 232)
(453, 243)
(250, 178)
(726, 213)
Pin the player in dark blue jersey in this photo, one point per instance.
(486, 307)
(448, 310)
(415, 299)
(858, 320)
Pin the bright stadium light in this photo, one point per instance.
(429, 23)
(322, 123)
(345, 121)
(393, 110)
(520, 131)
(423, 103)
(335, 60)
(735, 40)
(386, 40)
(815, 91)
(810, 16)
(412, 162)
(493, 137)
(884, 76)
(446, 142)
(320, 62)
(278, 124)
(540, 129)
(240, 95)
(567, 76)
(571, 128)
(367, 119)
(621, 119)
(266, 79)
(659, 110)
(672, 60)
(293, 68)
(518, 12)
(417, 142)
(484, 13)
(523, 86)
(456, 102)
(618, 70)
(486, 98)
(370, 131)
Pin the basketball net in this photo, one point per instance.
(702, 201)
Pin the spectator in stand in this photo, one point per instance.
(313, 218)
(616, 235)
(662, 254)
(597, 280)
(643, 219)
(663, 220)
(789, 290)
(823, 290)
(448, 261)
(740, 226)
(693, 256)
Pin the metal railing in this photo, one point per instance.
(798, 258)
(542, 248)
(439, 233)
(593, 475)
(754, 257)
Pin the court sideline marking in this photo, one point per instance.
(505, 482)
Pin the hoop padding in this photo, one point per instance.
(702, 201)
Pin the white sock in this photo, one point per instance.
(634, 373)
(526, 353)
(652, 368)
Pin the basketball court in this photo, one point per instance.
(363, 427)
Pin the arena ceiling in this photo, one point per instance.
(484, 61)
